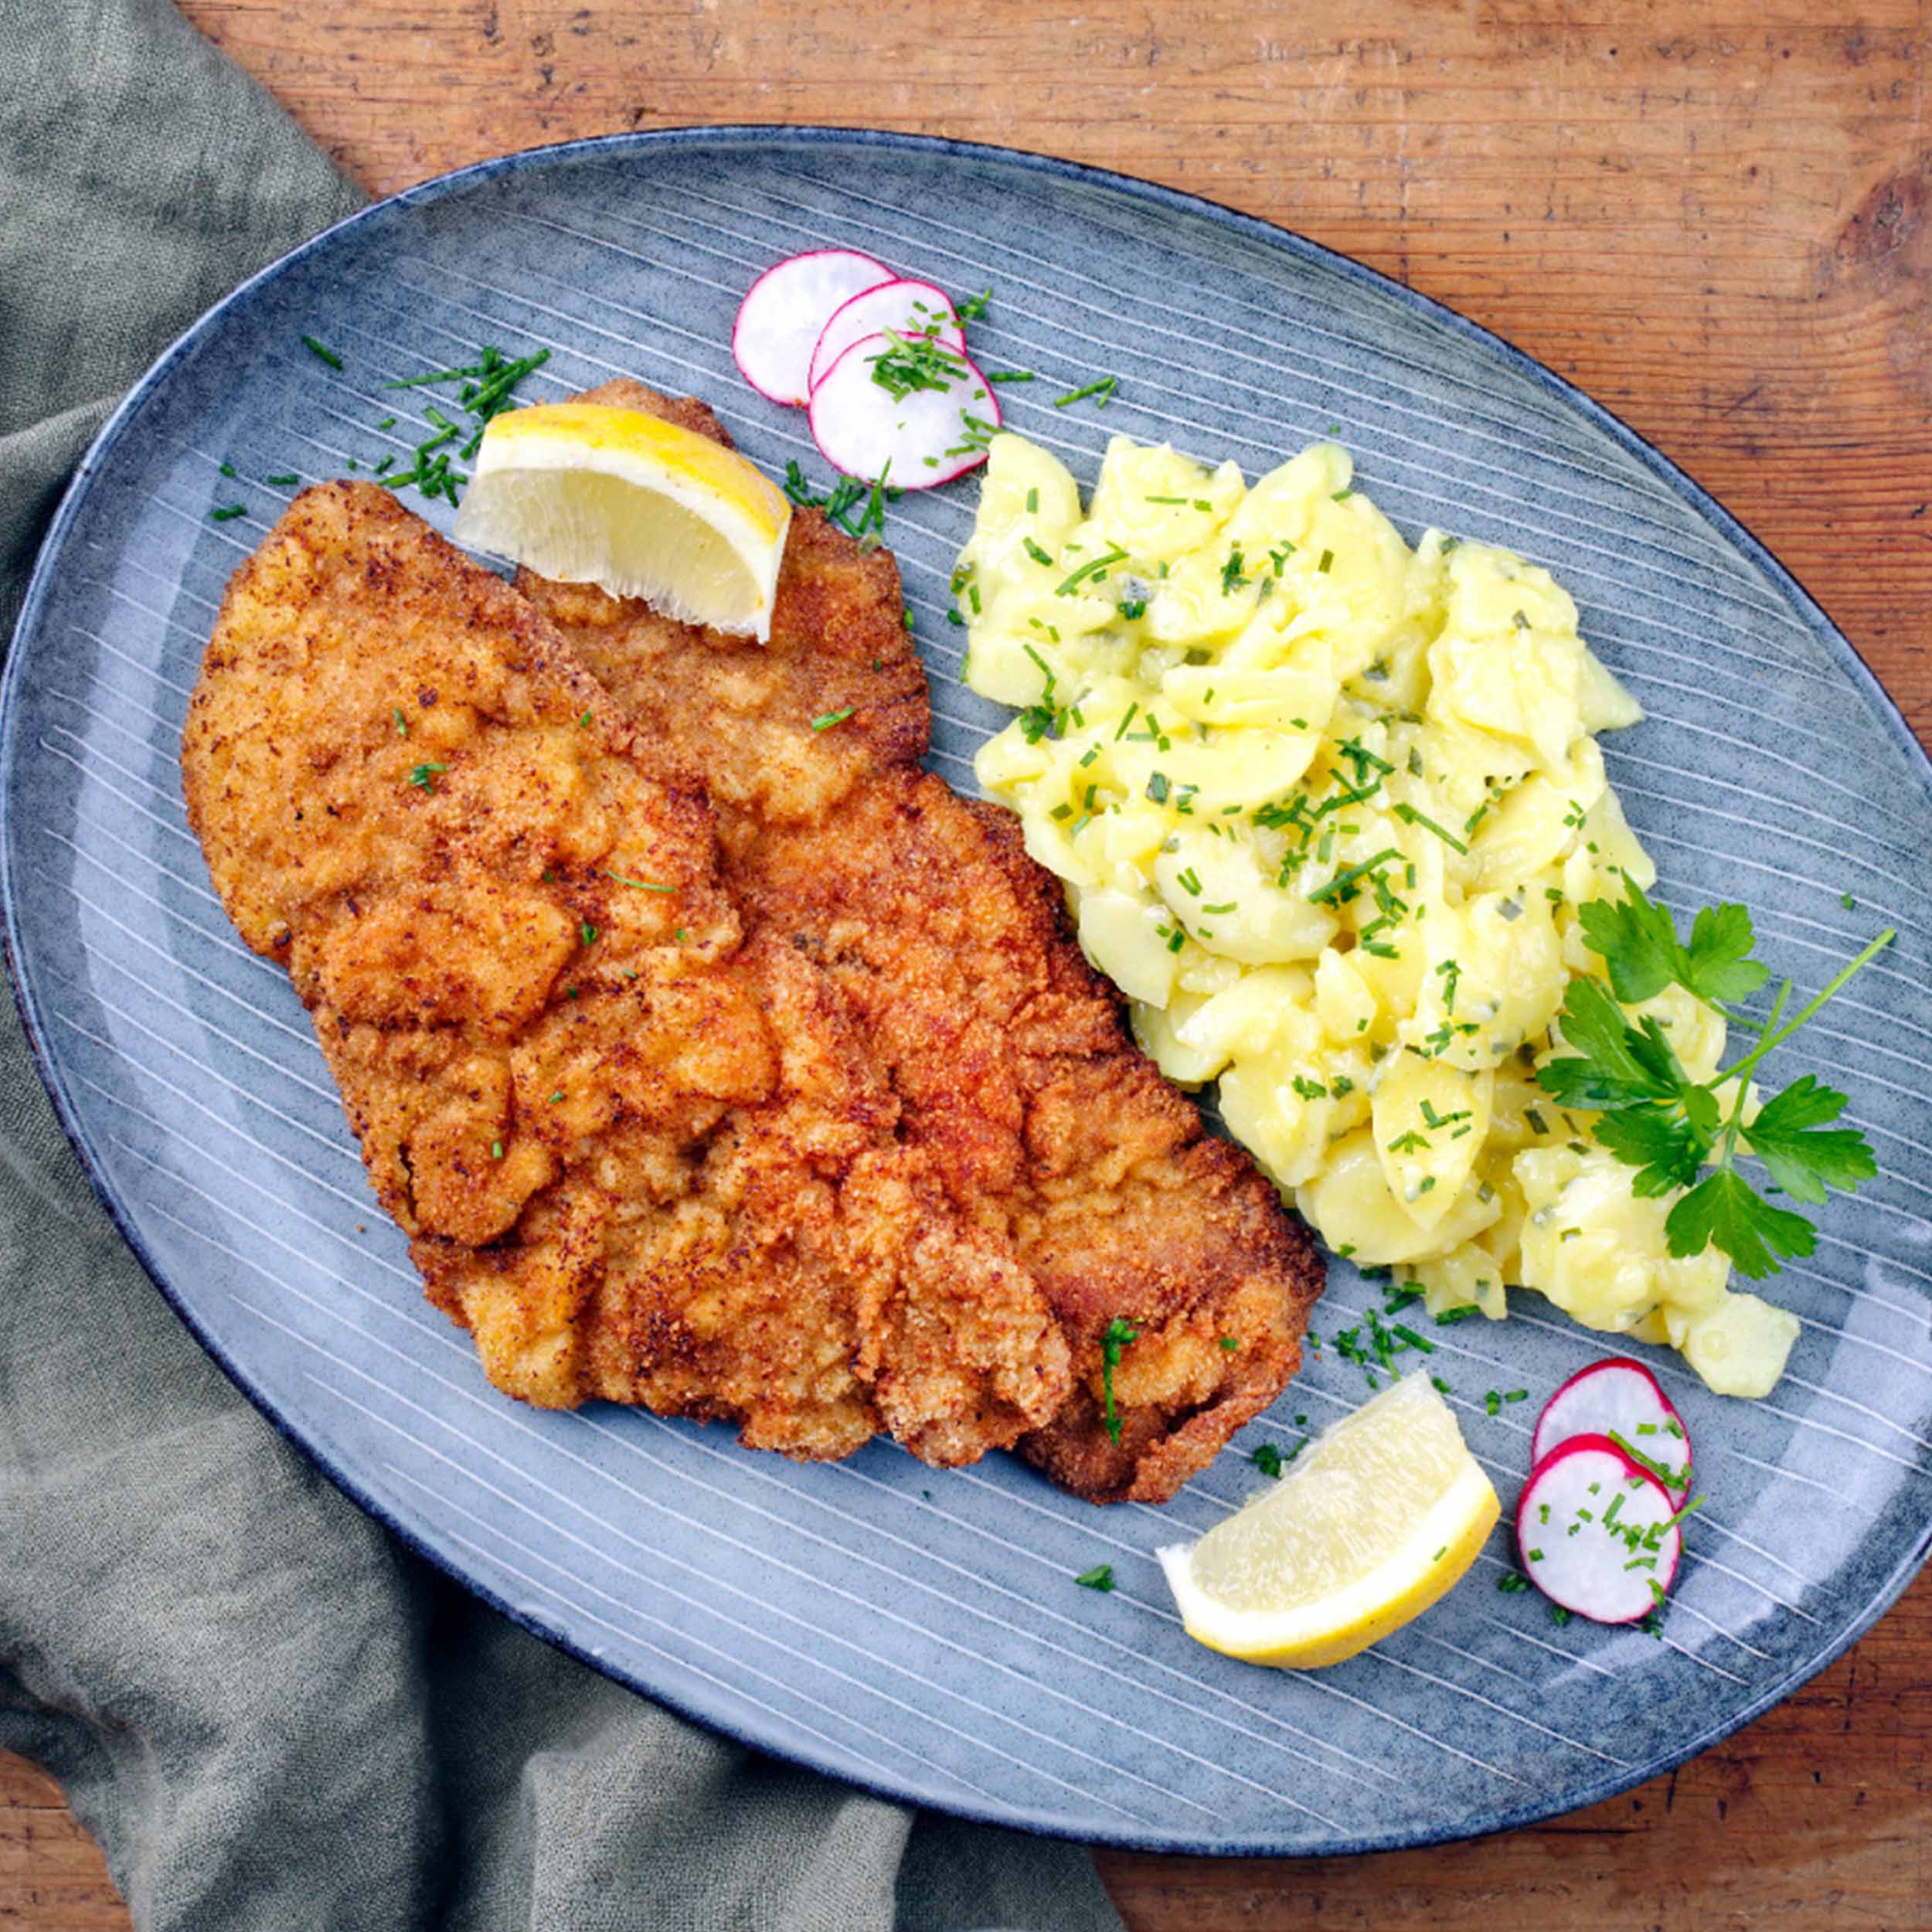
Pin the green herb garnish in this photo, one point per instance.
(1104, 389)
(1120, 1332)
(1655, 1117)
(915, 361)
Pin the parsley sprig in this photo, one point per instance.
(1655, 1118)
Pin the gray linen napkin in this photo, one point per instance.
(269, 1712)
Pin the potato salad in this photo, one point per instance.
(1326, 807)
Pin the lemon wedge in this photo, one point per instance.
(1376, 1520)
(588, 493)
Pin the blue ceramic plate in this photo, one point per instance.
(920, 1632)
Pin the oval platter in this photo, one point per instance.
(915, 1631)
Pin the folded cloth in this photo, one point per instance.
(269, 1713)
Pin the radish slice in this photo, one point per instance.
(1596, 1533)
(909, 308)
(923, 435)
(1621, 1399)
(785, 311)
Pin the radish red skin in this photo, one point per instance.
(859, 426)
(784, 312)
(888, 305)
(1622, 1595)
(1583, 1406)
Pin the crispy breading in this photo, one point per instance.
(639, 1155)
(1009, 1055)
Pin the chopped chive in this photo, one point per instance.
(431, 375)
(1409, 816)
(827, 719)
(1120, 1332)
(1348, 875)
(228, 512)
(329, 356)
(287, 480)
(1098, 567)
(1103, 389)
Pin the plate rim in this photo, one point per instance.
(1256, 229)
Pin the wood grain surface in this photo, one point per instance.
(1714, 216)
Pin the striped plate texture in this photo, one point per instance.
(916, 1632)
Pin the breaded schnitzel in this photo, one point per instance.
(1008, 1054)
(640, 1154)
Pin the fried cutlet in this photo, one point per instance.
(640, 1152)
(1008, 1055)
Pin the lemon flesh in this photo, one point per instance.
(588, 493)
(1375, 1522)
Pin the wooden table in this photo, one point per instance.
(1717, 219)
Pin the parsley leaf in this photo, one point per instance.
(1640, 947)
(1620, 1064)
(1726, 1210)
(1804, 1156)
(1665, 1148)
(1637, 940)
(1719, 966)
